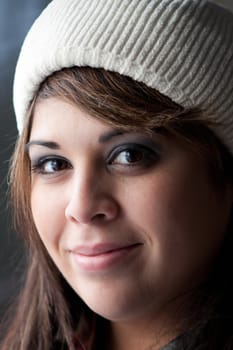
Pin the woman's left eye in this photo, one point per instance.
(133, 155)
(49, 165)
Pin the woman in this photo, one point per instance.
(122, 177)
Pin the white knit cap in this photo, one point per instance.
(182, 48)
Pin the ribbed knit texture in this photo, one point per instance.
(182, 48)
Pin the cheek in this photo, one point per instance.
(182, 220)
(48, 215)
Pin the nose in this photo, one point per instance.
(90, 199)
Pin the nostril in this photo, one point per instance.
(91, 209)
(99, 216)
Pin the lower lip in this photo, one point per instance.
(103, 261)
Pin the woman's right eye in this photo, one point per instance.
(50, 165)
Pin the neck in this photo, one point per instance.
(124, 337)
(144, 333)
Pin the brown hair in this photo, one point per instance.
(44, 319)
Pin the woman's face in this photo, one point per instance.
(131, 221)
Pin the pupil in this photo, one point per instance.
(54, 165)
(133, 156)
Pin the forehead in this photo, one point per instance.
(54, 116)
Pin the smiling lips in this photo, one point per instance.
(102, 257)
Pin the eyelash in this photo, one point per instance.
(146, 157)
(38, 166)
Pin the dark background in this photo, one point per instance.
(16, 16)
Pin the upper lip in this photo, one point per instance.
(100, 248)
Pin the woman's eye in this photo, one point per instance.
(48, 166)
(129, 157)
(133, 155)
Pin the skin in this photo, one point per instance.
(153, 202)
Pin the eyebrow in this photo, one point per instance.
(110, 134)
(54, 145)
(47, 144)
